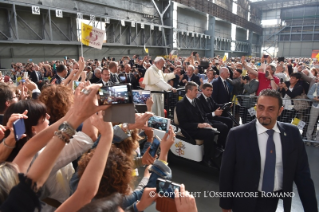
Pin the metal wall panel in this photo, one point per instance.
(190, 20)
(241, 34)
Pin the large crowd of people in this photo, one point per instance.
(65, 140)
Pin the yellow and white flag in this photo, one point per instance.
(145, 49)
(297, 122)
(224, 58)
(92, 36)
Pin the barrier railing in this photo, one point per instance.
(6, 72)
(296, 111)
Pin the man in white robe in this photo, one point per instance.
(156, 80)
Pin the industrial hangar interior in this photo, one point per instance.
(47, 30)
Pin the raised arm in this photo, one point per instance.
(85, 107)
(249, 70)
(89, 184)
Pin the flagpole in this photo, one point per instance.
(78, 21)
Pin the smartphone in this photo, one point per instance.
(266, 74)
(30, 60)
(19, 129)
(159, 123)
(140, 96)
(281, 80)
(122, 79)
(113, 95)
(166, 188)
(113, 59)
(25, 75)
(75, 84)
(95, 59)
(194, 53)
(155, 146)
(266, 56)
(66, 57)
(187, 63)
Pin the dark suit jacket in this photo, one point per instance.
(240, 170)
(208, 107)
(114, 78)
(35, 76)
(296, 91)
(94, 79)
(220, 94)
(109, 83)
(58, 79)
(189, 116)
(194, 78)
(132, 79)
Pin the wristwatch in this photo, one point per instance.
(67, 129)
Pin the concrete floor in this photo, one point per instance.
(198, 181)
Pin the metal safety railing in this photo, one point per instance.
(6, 72)
(298, 112)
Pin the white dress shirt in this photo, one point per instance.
(262, 143)
(190, 100)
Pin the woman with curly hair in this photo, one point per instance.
(58, 100)
(117, 175)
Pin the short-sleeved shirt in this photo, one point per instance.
(264, 82)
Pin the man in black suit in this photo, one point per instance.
(265, 157)
(129, 77)
(189, 76)
(105, 78)
(114, 76)
(213, 113)
(36, 76)
(192, 120)
(221, 90)
(61, 74)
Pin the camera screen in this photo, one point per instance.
(140, 96)
(158, 123)
(114, 95)
(75, 84)
(167, 189)
(122, 79)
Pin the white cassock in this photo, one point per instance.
(156, 80)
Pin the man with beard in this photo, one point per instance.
(265, 157)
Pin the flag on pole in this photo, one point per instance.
(317, 56)
(145, 49)
(224, 58)
(92, 36)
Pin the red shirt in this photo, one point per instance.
(264, 82)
